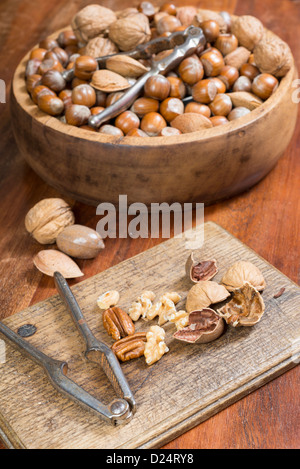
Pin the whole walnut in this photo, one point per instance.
(99, 47)
(47, 219)
(92, 21)
(131, 31)
(272, 55)
(248, 30)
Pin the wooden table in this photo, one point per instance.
(266, 218)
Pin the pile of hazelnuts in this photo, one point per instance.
(201, 84)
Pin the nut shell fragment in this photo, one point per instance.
(51, 261)
(204, 326)
(198, 270)
(246, 307)
(241, 272)
(204, 294)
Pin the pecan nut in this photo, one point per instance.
(130, 347)
(117, 323)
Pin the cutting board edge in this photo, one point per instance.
(218, 406)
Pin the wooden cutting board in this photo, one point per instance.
(188, 385)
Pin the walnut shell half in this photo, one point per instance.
(204, 327)
(204, 294)
(47, 219)
(246, 307)
(242, 272)
(198, 270)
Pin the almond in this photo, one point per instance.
(245, 99)
(108, 81)
(238, 57)
(126, 66)
(51, 261)
(191, 122)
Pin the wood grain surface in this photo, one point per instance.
(265, 218)
(188, 384)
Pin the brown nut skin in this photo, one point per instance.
(117, 323)
(264, 85)
(250, 71)
(191, 70)
(198, 108)
(39, 91)
(204, 326)
(168, 24)
(171, 108)
(226, 43)
(80, 242)
(51, 105)
(218, 120)
(229, 75)
(77, 115)
(84, 95)
(211, 30)
(221, 105)
(178, 89)
(32, 81)
(130, 347)
(204, 91)
(157, 87)
(127, 121)
(38, 54)
(144, 105)
(85, 66)
(243, 83)
(237, 113)
(54, 80)
(221, 87)
(153, 123)
(111, 130)
(213, 62)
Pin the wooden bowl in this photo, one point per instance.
(205, 166)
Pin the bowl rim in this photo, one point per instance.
(24, 100)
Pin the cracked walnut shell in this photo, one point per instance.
(92, 21)
(127, 33)
(204, 327)
(47, 219)
(198, 270)
(155, 346)
(204, 294)
(246, 307)
(241, 272)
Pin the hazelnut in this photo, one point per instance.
(65, 39)
(198, 109)
(264, 85)
(96, 110)
(218, 120)
(32, 67)
(111, 130)
(38, 54)
(51, 105)
(213, 62)
(85, 66)
(54, 80)
(152, 123)
(178, 89)
(148, 9)
(144, 105)
(242, 84)
(211, 30)
(66, 97)
(32, 81)
(136, 133)
(111, 98)
(48, 43)
(84, 95)
(238, 112)
(221, 105)
(167, 24)
(226, 43)
(77, 115)
(157, 87)
(169, 131)
(169, 8)
(249, 71)
(221, 87)
(191, 70)
(170, 108)
(204, 91)
(61, 55)
(229, 75)
(127, 121)
(39, 91)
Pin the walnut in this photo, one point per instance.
(92, 21)
(203, 326)
(272, 55)
(164, 308)
(129, 32)
(99, 47)
(204, 294)
(155, 346)
(141, 306)
(108, 299)
(248, 30)
(242, 272)
(47, 219)
(246, 307)
(180, 319)
(186, 15)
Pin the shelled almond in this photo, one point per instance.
(241, 61)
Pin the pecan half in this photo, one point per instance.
(117, 323)
(130, 347)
